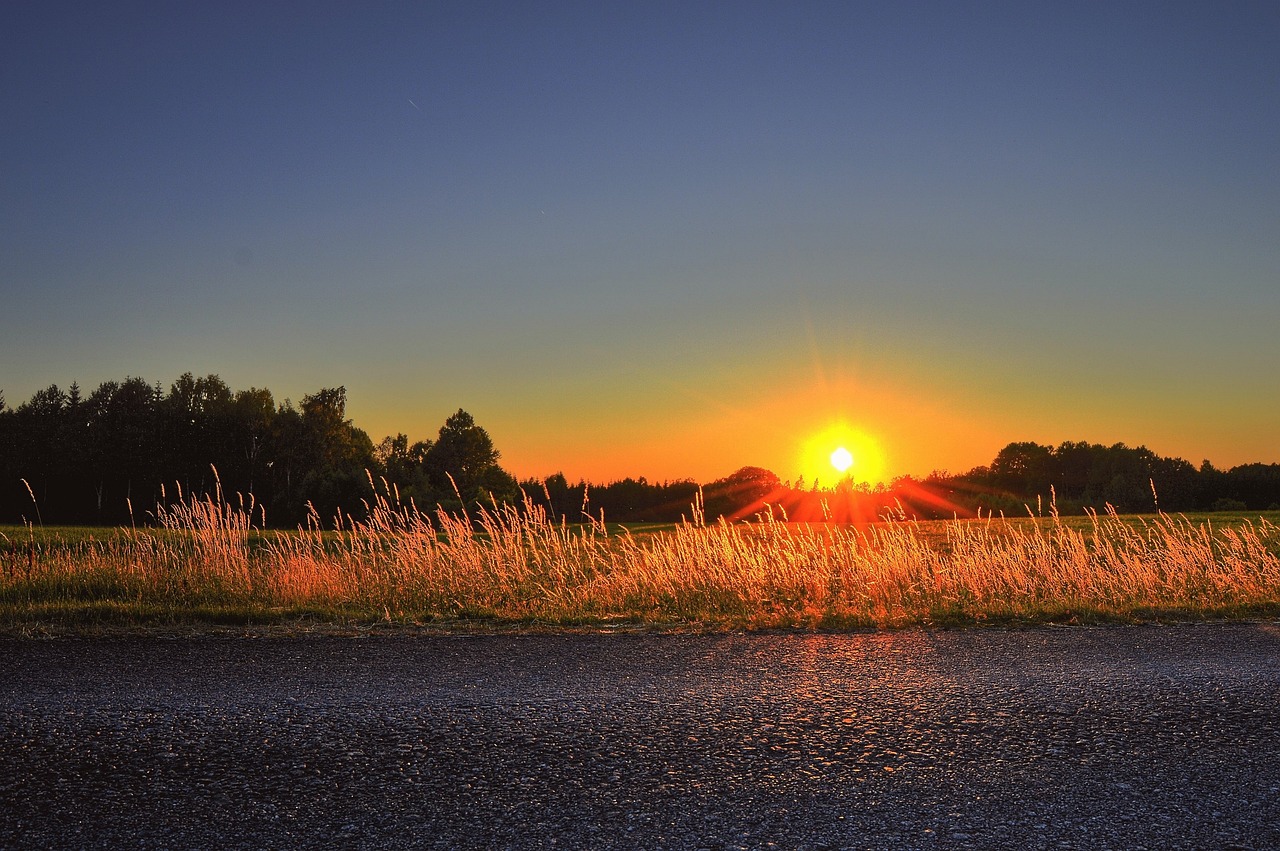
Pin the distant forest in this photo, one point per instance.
(113, 456)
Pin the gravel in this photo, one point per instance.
(1139, 737)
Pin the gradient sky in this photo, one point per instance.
(661, 240)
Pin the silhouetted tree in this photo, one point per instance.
(197, 425)
(252, 413)
(404, 465)
(743, 492)
(1025, 468)
(36, 425)
(562, 500)
(336, 455)
(124, 457)
(463, 457)
(1213, 484)
(1256, 485)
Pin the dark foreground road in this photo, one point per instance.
(1082, 738)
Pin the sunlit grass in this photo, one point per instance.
(204, 562)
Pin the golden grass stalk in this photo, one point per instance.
(516, 563)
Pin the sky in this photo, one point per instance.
(663, 239)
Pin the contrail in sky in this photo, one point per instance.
(415, 106)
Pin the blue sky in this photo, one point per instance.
(661, 239)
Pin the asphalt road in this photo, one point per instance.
(1151, 737)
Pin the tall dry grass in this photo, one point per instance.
(204, 559)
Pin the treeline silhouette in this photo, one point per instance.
(111, 457)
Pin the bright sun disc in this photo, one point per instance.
(857, 457)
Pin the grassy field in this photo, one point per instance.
(204, 565)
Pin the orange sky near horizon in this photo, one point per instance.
(789, 422)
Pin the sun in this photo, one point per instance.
(841, 452)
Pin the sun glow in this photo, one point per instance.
(841, 453)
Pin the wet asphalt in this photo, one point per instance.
(1134, 737)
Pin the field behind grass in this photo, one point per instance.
(203, 564)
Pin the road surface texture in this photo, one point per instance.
(1140, 737)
